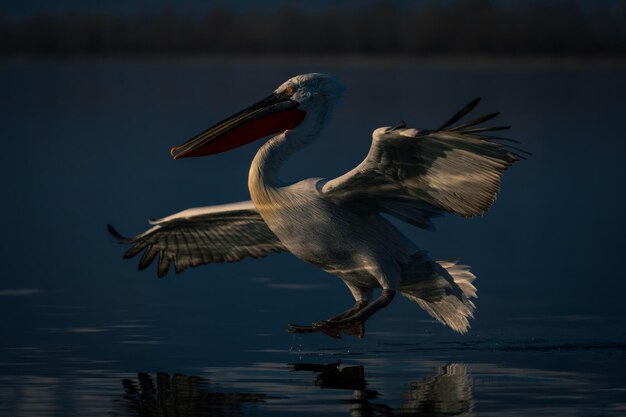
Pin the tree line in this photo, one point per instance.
(563, 28)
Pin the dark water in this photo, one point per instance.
(84, 333)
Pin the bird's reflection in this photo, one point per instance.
(180, 396)
(447, 393)
(334, 376)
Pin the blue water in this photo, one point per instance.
(84, 333)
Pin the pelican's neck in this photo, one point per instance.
(265, 168)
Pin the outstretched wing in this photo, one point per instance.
(418, 174)
(198, 236)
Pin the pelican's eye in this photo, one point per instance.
(290, 90)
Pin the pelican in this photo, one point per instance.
(338, 224)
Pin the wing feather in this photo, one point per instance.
(477, 121)
(461, 113)
(203, 235)
(416, 175)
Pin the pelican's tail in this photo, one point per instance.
(442, 288)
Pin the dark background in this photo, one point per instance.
(381, 28)
(94, 94)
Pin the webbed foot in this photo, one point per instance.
(348, 322)
(316, 327)
(354, 328)
(333, 328)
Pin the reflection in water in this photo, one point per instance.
(333, 376)
(269, 389)
(180, 396)
(447, 393)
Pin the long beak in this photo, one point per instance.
(269, 116)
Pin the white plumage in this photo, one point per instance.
(337, 224)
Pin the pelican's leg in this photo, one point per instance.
(361, 296)
(354, 325)
(358, 306)
(381, 302)
(326, 326)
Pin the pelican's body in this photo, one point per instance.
(337, 224)
(363, 250)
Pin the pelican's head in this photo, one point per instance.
(312, 91)
(307, 97)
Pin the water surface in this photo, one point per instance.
(85, 333)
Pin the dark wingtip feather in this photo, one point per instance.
(147, 257)
(499, 138)
(461, 113)
(474, 122)
(134, 250)
(485, 129)
(116, 235)
(519, 151)
(164, 265)
(400, 125)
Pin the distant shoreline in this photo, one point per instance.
(372, 61)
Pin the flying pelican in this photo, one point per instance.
(337, 224)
